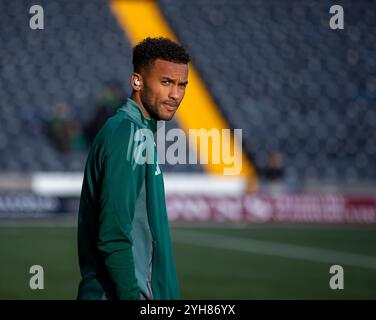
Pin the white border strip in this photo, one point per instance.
(69, 184)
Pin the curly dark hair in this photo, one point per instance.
(150, 49)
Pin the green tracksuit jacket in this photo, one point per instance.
(124, 243)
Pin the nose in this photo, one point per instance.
(174, 94)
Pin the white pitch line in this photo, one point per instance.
(275, 249)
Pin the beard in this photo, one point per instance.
(156, 110)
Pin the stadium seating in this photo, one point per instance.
(80, 49)
(274, 68)
(293, 85)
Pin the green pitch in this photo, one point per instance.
(226, 262)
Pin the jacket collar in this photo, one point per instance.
(132, 109)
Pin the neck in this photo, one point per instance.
(136, 98)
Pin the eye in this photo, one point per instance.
(165, 82)
(182, 85)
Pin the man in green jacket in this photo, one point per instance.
(124, 243)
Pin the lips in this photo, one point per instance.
(170, 106)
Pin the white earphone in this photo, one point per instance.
(137, 82)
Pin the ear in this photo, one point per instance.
(136, 81)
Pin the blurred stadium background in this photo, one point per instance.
(303, 94)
